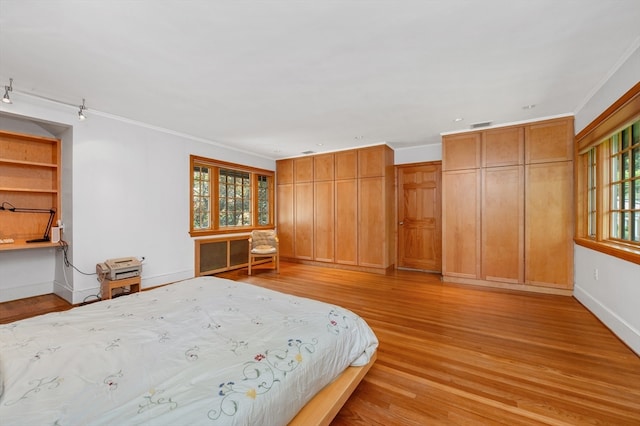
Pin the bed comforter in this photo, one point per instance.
(206, 351)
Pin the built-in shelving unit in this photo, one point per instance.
(29, 179)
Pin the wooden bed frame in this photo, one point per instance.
(321, 410)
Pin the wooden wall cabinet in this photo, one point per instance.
(376, 207)
(323, 167)
(346, 164)
(324, 220)
(346, 210)
(371, 223)
(284, 220)
(503, 147)
(503, 224)
(343, 208)
(346, 222)
(324, 207)
(461, 151)
(303, 169)
(285, 203)
(303, 243)
(461, 223)
(29, 178)
(549, 218)
(519, 210)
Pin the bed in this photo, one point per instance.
(204, 351)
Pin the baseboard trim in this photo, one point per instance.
(92, 294)
(344, 266)
(618, 326)
(508, 286)
(24, 291)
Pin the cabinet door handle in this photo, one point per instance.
(400, 223)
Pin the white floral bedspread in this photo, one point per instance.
(206, 351)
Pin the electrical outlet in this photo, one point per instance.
(596, 274)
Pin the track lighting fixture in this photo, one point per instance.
(7, 100)
(81, 115)
(8, 89)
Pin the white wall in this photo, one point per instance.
(129, 191)
(615, 297)
(418, 154)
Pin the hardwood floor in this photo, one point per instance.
(452, 354)
(31, 306)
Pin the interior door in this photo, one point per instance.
(420, 216)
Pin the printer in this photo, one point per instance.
(119, 269)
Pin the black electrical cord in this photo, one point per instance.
(65, 247)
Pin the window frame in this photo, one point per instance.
(214, 224)
(595, 138)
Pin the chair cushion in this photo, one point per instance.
(263, 249)
(262, 238)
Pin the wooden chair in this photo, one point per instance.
(264, 244)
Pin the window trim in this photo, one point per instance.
(216, 165)
(624, 111)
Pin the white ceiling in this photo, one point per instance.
(281, 77)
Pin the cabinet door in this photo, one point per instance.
(324, 221)
(303, 169)
(285, 219)
(460, 152)
(503, 147)
(346, 220)
(461, 223)
(303, 230)
(372, 234)
(373, 161)
(549, 141)
(323, 168)
(284, 171)
(503, 224)
(549, 218)
(346, 164)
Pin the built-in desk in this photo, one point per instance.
(21, 244)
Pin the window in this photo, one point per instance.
(229, 197)
(592, 191)
(625, 184)
(608, 180)
(234, 198)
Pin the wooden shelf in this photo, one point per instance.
(40, 191)
(28, 163)
(22, 244)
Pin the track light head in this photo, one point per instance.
(6, 99)
(81, 115)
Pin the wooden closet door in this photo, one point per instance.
(503, 224)
(346, 222)
(461, 151)
(324, 221)
(303, 233)
(461, 223)
(549, 224)
(285, 219)
(371, 222)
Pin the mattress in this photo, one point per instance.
(203, 351)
